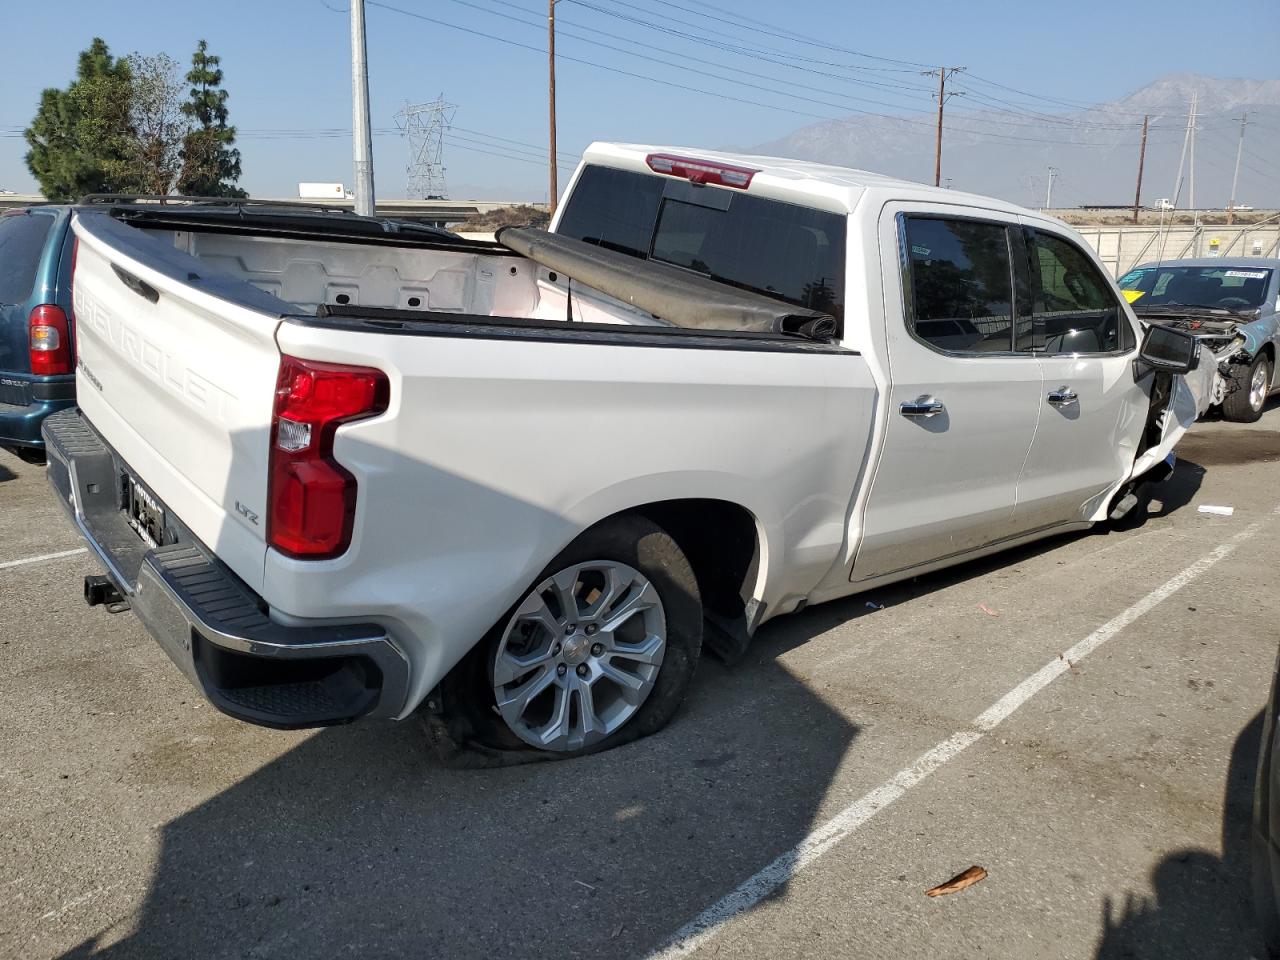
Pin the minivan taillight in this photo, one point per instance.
(50, 341)
(311, 499)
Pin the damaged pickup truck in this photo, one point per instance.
(522, 484)
(1231, 307)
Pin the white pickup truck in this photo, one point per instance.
(523, 482)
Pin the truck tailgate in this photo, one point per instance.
(177, 369)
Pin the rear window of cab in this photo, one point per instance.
(782, 250)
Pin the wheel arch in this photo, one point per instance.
(724, 542)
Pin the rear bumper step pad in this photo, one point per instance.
(211, 624)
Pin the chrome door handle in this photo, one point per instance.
(922, 406)
(1063, 397)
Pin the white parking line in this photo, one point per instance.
(708, 924)
(42, 558)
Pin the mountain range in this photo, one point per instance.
(998, 142)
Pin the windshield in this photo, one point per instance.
(1222, 287)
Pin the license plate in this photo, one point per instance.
(145, 515)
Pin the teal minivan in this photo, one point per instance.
(37, 350)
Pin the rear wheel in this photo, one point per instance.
(1250, 386)
(599, 651)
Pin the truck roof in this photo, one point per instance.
(819, 184)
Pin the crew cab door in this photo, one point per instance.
(962, 404)
(1093, 408)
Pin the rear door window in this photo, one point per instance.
(22, 239)
(1074, 308)
(960, 284)
(781, 250)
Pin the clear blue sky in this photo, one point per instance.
(287, 69)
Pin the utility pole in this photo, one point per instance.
(1048, 193)
(1182, 157)
(361, 133)
(1191, 162)
(1142, 156)
(941, 73)
(554, 193)
(1235, 177)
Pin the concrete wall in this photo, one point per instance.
(1124, 247)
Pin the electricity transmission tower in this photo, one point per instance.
(424, 124)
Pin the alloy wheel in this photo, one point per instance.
(1258, 386)
(580, 655)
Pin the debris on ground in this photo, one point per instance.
(960, 881)
(988, 611)
(871, 605)
(1217, 511)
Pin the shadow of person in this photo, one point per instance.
(1202, 903)
(6, 474)
(353, 844)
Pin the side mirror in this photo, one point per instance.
(1170, 350)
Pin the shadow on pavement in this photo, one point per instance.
(354, 844)
(1179, 490)
(1202, 905)
(6, 474)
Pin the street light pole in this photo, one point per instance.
(361, 133)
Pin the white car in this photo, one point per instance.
(526, 482)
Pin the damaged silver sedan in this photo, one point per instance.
(1229, 305)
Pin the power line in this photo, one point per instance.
(736, 43)
(685, 58)
(782, 33)
(592, 63)
(729, 97)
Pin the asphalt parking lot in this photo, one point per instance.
(1079, 717)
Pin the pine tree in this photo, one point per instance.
(81, 138)
(210, 161)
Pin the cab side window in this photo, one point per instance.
(1073, 307)
(959, 285)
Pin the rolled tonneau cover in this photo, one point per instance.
(677, 296)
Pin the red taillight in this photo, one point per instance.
(701, 171)
(50, 341)
(311, 498)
